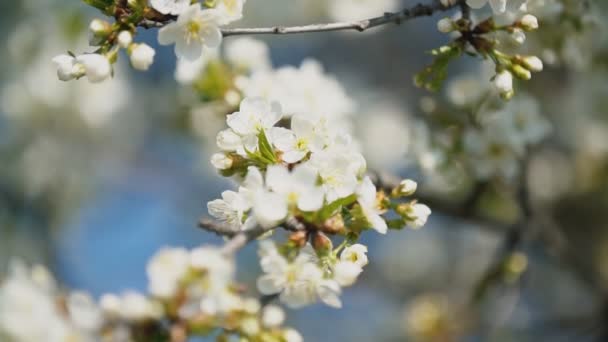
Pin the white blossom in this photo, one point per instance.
(194, 29)
(304, 137)
(254, 116)
(346, 272)
(356, 253)
(230, 209)
(298, 188)
(366, 196)
(300, 282)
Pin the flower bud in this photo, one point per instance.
(529, 22)
(503, 81)
(518, 36)
(99, 31)
(415, 214)
(407, 187)
(334, 225)
(445, 25)
(142, 56)
(97, 67)
(533, 63)
(221, 161)
(67, 68)
(521, 72)
(125, 38)
(273, 316)
(299, 238)
(321, 243)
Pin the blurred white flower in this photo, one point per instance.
(348, 10)
(273, 316)
(165, 270)
(229, 10)
(248, 54)
(498, 6)
(306, 90)
(173, 7)
(136, 307)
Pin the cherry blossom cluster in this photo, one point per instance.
(192, 293)
(303, 169)
(483, 38)
(190, 27)
(494, 145)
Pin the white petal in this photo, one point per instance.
(169, 34)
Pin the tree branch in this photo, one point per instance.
(240, 238)
(419, 10)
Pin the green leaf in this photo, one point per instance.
(330, 209)
(432, 76)
(266, 149)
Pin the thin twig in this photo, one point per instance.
(419, 10)
(241, 239)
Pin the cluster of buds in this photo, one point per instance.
(478, 40)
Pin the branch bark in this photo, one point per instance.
(419, 10)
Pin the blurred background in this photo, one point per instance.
(96, 178)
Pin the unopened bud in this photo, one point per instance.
(321, 243)
(334, 225)
(124, 39)
(518, 36)
(99, 31)
(521, 72)
(503, 81)
(529, 22)
(299, 238)
(221, 161)
(407, 187)
(445, 25)
(533, 63)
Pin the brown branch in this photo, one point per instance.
(240, 238)
(419, 10)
